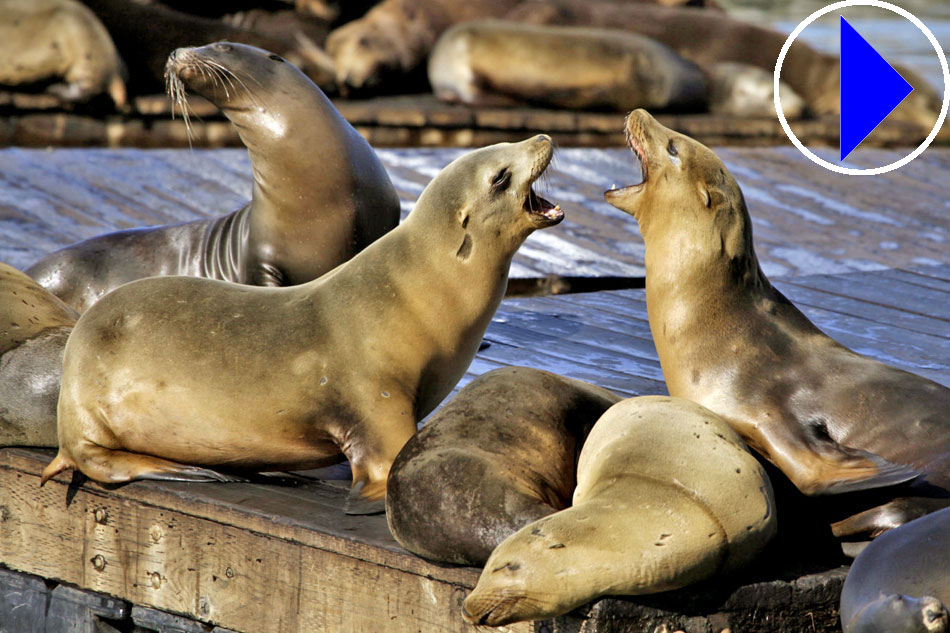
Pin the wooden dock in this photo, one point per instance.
(866, 260)
(413, 120)
(807, 220)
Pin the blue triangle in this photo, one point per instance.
(870, 89)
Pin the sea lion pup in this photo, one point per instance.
(491, 62)
(728, 340)
(50, 39)
(498, 456)
(34, 326)
(169, 372)
(320, 193)
(900, 583)
(667, 495)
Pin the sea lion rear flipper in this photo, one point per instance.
(116, 466)
(872, 523)
(818, 465)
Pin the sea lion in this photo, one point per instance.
(708, 37)
(145, 32)
(743, 90)
(395, 37)
(728, 340)
(169, 371)
(34, 326)
(498, 456)
(667, 495)
(900, 583)
(320, 193)
(491, 62)
(51, 39)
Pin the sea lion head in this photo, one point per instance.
(485, 197)
(895, 613)
(235, 77)
(522, 580)
(685, 194)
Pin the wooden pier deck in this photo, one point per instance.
(807, 220)
(866, 259)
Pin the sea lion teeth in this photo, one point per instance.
(199, 373)
(727, 339)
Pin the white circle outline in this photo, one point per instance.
(851, 171)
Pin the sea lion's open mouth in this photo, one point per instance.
(624, 198)
(540, 209)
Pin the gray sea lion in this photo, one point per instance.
(395, 37)
(667, 495)
(491, 62)
(52, 39)
(169, 371)
(320, 193)
(728, 340)
(498, 456)
(900, 583)
(34, 326)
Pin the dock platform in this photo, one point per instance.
(866, 259)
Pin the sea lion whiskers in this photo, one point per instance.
(176, 91)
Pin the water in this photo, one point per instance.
(897, 39)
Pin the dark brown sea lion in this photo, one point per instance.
(900, 583)
(167, 374)
(498, 456)
(320, 193)
(34, 326)
(491, 62)
(728, 340)
(59, 39)
(145, 32)
(667, 496)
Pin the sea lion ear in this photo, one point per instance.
(463, 217)
(705, 195)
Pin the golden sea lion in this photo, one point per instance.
(166, 375)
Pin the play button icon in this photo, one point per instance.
(870, 89)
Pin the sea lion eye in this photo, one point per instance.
(501, 180)
(222, 46)
(671, 148)
(276, 58)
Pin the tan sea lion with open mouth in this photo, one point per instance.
(832, 420)
(167, 376)
(320, 192)
(667, 495)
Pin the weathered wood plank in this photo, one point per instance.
(243, 556)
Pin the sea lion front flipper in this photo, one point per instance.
(358, 504)
(818, 465)
(872, 523)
